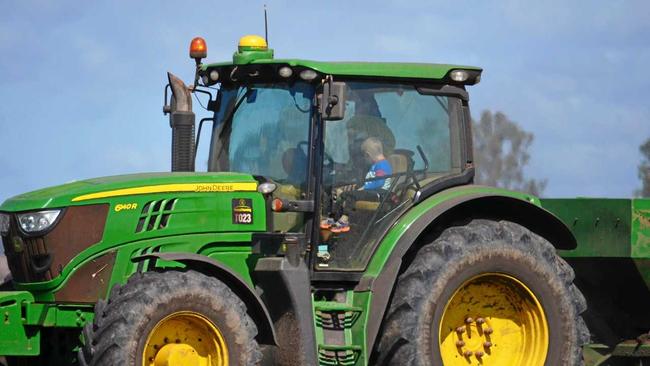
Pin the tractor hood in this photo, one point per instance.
(99, 189)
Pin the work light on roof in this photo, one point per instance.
(459, 75)
(285, 72)
(308, 75)
(214, 75)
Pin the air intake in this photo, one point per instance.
(155, 215)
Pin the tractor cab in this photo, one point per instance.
(301, 126)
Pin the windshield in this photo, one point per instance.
(263, 129)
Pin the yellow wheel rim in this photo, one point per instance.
(493, 319)
(185, 338)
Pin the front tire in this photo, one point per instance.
(488, 293)
(173, 318)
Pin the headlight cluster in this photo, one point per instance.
(267, 187)
(4, 224)
(33, 222)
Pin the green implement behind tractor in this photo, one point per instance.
(337, 223)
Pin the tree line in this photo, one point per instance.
(501, 155)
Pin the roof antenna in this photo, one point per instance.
(266, 27)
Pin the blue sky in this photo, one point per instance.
(81, 81)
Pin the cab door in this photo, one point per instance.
(394, 139)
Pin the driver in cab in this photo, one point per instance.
(373, 186)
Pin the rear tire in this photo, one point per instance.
(464, 274)
(171, 315)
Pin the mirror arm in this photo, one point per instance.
(198, 135)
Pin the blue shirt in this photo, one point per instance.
(381, 168)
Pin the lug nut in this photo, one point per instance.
(480, 321)
(469, 320)
(460, 329)
(487, 344)
(488, 331)
(479, 354)
(460, 343)
(468, 353)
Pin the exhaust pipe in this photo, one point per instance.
(181, 120)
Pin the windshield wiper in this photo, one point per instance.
(227, 120)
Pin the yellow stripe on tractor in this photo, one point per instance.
(164, 188)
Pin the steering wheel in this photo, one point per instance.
(328, 162)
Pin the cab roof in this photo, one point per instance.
(362, 69)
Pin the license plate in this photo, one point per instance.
(242, 211)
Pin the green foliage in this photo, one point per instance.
(644, 170)
(501, 153)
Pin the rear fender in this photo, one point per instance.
(490, 204)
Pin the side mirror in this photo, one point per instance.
(332, 101)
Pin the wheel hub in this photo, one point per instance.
(176, 354)
(474, 338)
(185, 338)
(493, 319)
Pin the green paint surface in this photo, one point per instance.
(402, 226)
(607, 229)
(15, 337)
(601, 226)
(640, 240)
(61, 196)
(361, 69)
(199, 222)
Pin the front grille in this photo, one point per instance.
(36, 259)
(27, 257)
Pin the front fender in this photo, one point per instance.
(207, 265)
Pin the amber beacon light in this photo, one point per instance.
(198, 48)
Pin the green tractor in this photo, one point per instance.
(336, 223)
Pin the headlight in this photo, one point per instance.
(266, 188)
(4, 224)
(34, 222)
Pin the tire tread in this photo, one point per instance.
(398, 342)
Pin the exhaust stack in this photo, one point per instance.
(181, 120)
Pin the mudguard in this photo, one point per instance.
(256, 307)
(464, 202)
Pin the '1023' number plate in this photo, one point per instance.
(242, 211)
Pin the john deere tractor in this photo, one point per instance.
(335, 223)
